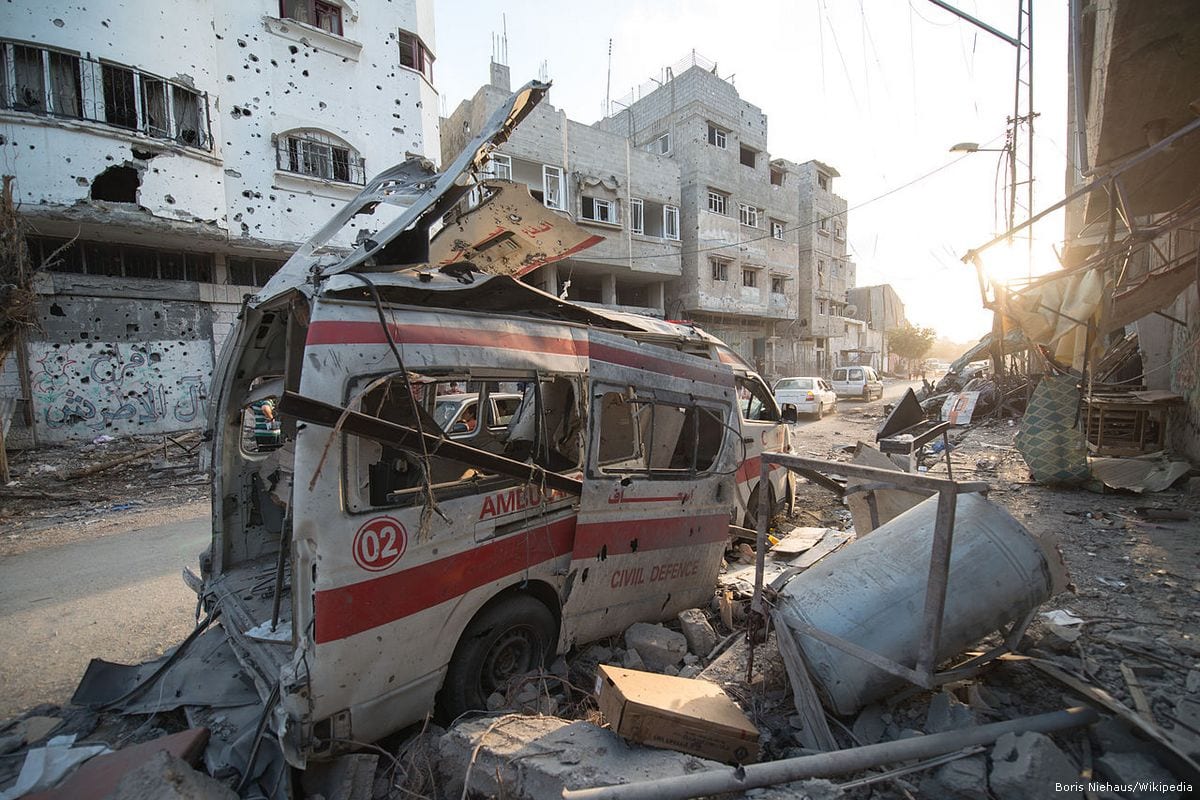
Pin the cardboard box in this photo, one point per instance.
(684, 714)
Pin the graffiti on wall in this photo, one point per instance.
(120, 388)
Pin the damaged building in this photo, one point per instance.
(167, 165)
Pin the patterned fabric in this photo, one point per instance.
(1053, 447)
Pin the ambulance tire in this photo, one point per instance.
(510, 638)
(751, 520)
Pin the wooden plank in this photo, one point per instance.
(796, 541)
(815, 734)
(1137, 692)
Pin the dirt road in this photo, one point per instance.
(119, 597)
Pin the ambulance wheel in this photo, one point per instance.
(751, 519)
(505, 640)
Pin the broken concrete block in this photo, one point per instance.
(1193, 682)
(813, 789)
(870, 724)
(1028, 765)
(165, 777)
(1059, 638)
(348, 777)
(947, 713)
(536, 757)
(495, 701)
(632, 660)
(1114, 735)
(699, 632)
(1132, 769)
(962, 779)
(659, 647)
(689, 671)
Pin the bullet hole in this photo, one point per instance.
(158, 315)
(154, 357)
(293, 49)
(229, 78)
(274, 63)
(82, 181)
(304, 73)
(241, 42)
(31, 147)
(380, 88)
(58, 23)
(321, 105)
(130, 329)
(603, 553)
(583, 576)
(104, 22)
(144, 155)
(253, 57)
(116, 185)
(169, 199)
(238, 112)
(3, 140)
(56, 310)
(633, 545)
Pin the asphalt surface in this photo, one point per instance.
(119, 597)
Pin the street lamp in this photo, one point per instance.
(973, 147)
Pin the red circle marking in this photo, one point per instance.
(379, 543)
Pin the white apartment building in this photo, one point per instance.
(168, 158)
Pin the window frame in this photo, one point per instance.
(637, 216)
(314, 10)
(781, 282)
(640, 458)
(719, 269)
(743, 150)
(297, 148)
(718, 198)
(748, 215)
(657, 146)
(718, 136)
(671, 231)
(597, 203)
(419, 53)
(777, 230)
(560, 187)
(750, 277)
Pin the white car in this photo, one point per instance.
(861, 382)
(808, 395)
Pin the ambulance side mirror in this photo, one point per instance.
(789, 415)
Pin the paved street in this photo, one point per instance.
(119, 597)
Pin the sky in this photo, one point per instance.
(878, 89)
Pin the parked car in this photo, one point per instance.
(808, 395)
(860, 382)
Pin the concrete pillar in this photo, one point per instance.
(657, 296)
(608, 289)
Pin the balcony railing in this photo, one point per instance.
(319, 155)
(56, 83)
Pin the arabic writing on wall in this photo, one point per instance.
(119, 388)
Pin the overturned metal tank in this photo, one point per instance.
(872, 594)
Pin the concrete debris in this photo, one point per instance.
(698, 631)
(871, 723)
(165, 777)
(1141, 772)
(946, 713)
(961, 779)
(45, 766)
(1113, 735)
(1058, 638)
(813, 789)
(537, 757)
(657, 646)
(632, 660)
(1027, 765)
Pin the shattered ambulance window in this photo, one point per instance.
(656, 439)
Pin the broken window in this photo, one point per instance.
(120, 96)
(553, 188)
(716, 136)
(190, 125)
(747, 156)
(517, 416)
(499, 166)
(718, 202)
(113, 260)
(64, 85)
(838, 231)
(598, 210)
(250, 271)
(656, 438)
(778, 283)
(29, 81)
(720, 268)
(671, 222)
(320, 155)
(748, 215)
(326, 16)
(823, 181)
(777, 230)
(756, 401)
(661, 146)
(777, 176)
(750, 278)
(415, 55)
(154, 107)
(637, 221)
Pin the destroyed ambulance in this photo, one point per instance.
(374, 568)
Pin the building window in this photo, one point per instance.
(415, 55)
(43, 81)
(776, 176)
(326, 16)
(716, 136)
(662, 145)
(671, 222)
(319, 155)
(823, 225)
(597, 210)
(823, 181)
(637, 216)
(748, 215)
(747, 156)
(718, 202)
(499, 166)
(118, 261)
(838, 232)
(750, 278)
(553, 188)
(821, 307)
(250, 271)
(720, 268)
(777, 284)
(777, 230)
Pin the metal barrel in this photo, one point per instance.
(872, 593)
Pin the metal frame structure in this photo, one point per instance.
(947, 491)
